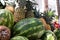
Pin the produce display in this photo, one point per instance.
(26, 23)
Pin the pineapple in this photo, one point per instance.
(24, 10)
(20, 11)
(19, 14)
(46, 18)
(30, 11)
(29, 14)
(47, 26)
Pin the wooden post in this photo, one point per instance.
(46, 5)
(58, 9)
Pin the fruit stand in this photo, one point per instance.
(20, 21)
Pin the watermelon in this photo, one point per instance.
(28, 27)
(57, 33)
(49, 35)
(6, 18)
(19, 38)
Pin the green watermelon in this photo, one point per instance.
(6, 18)
(19, 38)
(49, 35)
(57, 33)
(28, 27)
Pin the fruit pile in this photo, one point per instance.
(29, 28)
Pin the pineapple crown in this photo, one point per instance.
(47, 15)
(30, 5)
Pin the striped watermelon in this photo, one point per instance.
(6, 18)
(19, 38)
(28, 27)
(49, 35)
(57, 33)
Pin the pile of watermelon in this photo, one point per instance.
(25, 29)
